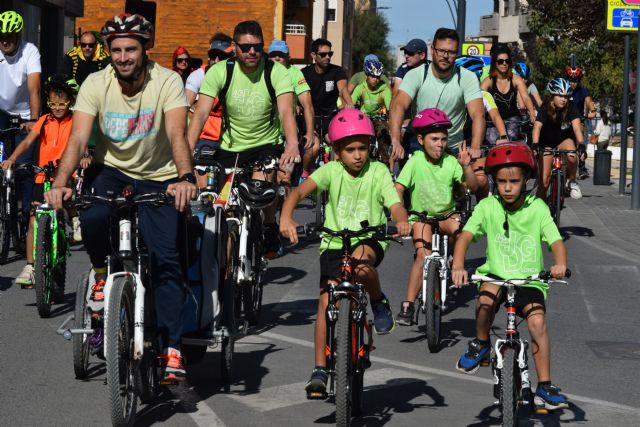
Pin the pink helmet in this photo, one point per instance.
(430, 119)
(350, 122)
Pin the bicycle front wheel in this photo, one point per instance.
(82, 320)
(118, 352)
(510, 386)
(432, 307)
(42, 266)
(252, 292)
(59, 276)
(344, 364)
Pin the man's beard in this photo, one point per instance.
(135, 75)
(441, 70)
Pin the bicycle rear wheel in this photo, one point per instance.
(432, 307)
(42, 266)
(229, 306)
(121, 369)
(510, 387)
(344, 364)
(82, 320)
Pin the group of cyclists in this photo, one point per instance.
(453, 125)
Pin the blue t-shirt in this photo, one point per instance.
(402, 70)
(578, 98)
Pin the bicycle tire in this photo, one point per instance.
(42, 268)
(344, 364)
(432, 308)
(4, 236)
(252, 292)
(229, 305)
(120, 365)
(559, 197)
(82, 320)
(146, 377)
(509, 390)
(60, 270)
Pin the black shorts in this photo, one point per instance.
(37, 195)
(330, 259)
(228, 158)
(524, 295)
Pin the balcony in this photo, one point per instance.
(489, 25)
(297, 39)
(523, 24)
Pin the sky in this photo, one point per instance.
(421, 18)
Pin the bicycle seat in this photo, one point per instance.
(257, 194)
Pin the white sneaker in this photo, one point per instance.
(574, 190)
(77, 232)
(26, 277)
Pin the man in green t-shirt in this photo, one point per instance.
(250, 131)
(515, 224)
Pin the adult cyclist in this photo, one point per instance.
(141, 113)
(581, 99)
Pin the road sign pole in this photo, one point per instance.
(462, 18)
(635, 177)
(625, 117)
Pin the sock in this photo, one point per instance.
(543, 383)
(484, 342)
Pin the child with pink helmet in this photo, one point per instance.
(358, 189)
(433, 176)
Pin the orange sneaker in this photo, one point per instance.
(97, 290)
(173, 368)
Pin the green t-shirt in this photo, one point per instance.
(431, 185)
(360, 77)
(518, 253)
(353, 200)
(248, 104)
(372, 101)
(448, 95)
(300, 85)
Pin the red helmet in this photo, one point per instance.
(350, 122)
(574, 74)
(510, 154)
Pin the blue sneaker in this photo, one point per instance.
(549, 397)
(316, 387)
(383, 321)
(470, 361)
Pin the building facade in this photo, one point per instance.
(508, 23)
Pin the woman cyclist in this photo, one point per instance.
(504, 85)
(557, 126)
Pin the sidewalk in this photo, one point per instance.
(603, 218)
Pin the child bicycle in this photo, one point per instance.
(557, 187)
(347, 347)
(509, 359)
(436, 274)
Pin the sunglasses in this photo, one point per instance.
(91, 45)
(51, 104)
(181, 60)
(503, 61)
(219, 55)
(325, 54)
(246, 47)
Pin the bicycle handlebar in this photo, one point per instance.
(86, 200)
(425, 218)
(544, 276)
(380, 232)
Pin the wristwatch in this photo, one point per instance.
(504, 137)
(189, 177)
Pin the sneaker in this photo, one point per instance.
(470, 361)
(26, 278)
(574, 190)
(316, 387)
(97, 290)
(172, 364)
(405, 316)
(583, 174)
(550, 397)
(383, 321)
(77, 234)
(273, 246)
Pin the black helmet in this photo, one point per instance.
(62, 82)
(257, 194)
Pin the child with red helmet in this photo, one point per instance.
(433, 176)
(358, 190)
(515, 224)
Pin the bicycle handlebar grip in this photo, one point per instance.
(546, 275)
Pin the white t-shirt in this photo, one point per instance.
(603, 131)
(14, 93)
(194, 81)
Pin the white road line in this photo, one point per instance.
(587, 304)
(204, 415)
(440, 372)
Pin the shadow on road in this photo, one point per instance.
(567, 232)
(283, 275)
(490, 416)
(5, 283)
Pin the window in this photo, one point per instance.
(505, 7)
(144, 8)
(332, 6)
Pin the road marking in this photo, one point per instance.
(587, 304)
(441, 372)
(286, 395)
(203, 415)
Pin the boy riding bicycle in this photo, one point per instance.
(358, 190)
(433, 176)
(515, 223)
(52, 133)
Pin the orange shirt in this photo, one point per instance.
(53, 141)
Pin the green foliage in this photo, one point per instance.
(577, 26)
(370, 36)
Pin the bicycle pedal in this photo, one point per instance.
(26, 286)
(485, 362)
(541, 410)
(317, 395)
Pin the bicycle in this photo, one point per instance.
(380, 147)
(346, 349)
(557, 187)
(509, 359)
(436, 274)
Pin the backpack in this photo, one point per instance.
(222, 95)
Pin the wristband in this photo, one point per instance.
(504, 137)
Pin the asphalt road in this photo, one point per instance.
(593, 325)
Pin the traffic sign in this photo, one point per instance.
(623, 16)
(473, 49)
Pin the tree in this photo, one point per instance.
(577, 26)
(370, 36)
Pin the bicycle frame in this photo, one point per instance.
(439, 254)
(57, 235)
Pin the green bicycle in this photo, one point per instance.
(50, 250)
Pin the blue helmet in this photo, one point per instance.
(523, 70)
(559, 86)
(471, 63)
(373, 66)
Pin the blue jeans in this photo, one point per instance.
(159, 229)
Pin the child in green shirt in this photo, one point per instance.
(358, 190)
(433, 176)
(515, 224)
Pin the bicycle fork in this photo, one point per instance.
(443, 269)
